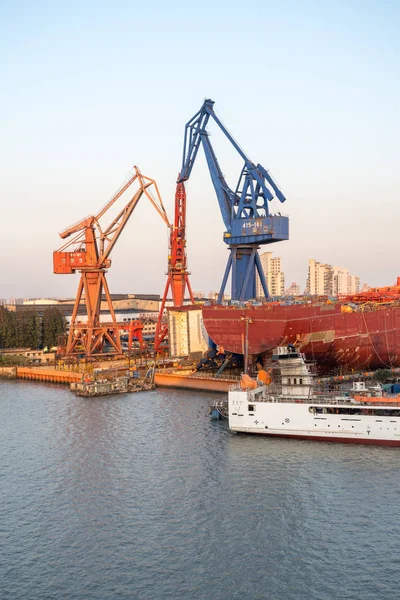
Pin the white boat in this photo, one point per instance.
(295, 407)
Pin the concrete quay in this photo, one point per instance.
(47, 374)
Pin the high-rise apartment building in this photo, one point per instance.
(354, 284)
(340, 281)
(274, 276)
(319, 281)
(325, 280)
(344, 283)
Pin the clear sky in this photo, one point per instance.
(311, 90)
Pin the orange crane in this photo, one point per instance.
(89, 253)
(177, 275)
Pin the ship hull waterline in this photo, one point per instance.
(313, 438)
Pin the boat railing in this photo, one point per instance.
(197, 375)
(327, 399)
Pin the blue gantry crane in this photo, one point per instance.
(246, 212)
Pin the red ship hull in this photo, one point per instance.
(362, 339)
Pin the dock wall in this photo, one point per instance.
(172, 380)
(47, 374)
(8, 372)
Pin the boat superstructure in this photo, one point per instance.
(295, 406)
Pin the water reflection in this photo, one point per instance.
(143, 496)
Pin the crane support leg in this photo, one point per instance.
(243, 263)
(89, 337)
(261, 276)
(225, 279)
(249, 275)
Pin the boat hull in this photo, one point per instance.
(321, 438)
(207, 384)
(322, 331)
(318, 422)
(343, 440)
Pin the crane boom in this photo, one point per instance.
(224, 194)
(114, 230)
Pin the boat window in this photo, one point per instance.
(355, 410)
(252, 407)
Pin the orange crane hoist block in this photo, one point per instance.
(68, 262)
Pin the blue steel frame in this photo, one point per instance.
(245, 211)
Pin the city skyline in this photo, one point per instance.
(340, 282)
(75, 120)
(327, 280)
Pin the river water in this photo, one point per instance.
(143, 496)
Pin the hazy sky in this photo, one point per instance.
(311, 90)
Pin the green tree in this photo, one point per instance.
(33, 330)
(54, 325)
(19, 341)
(8, 334)
(29, 329)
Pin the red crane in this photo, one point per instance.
(135, 330)
(177, 275)
(89, 253)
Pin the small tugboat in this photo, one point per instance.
(293, 406)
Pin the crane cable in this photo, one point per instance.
(373, 345)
